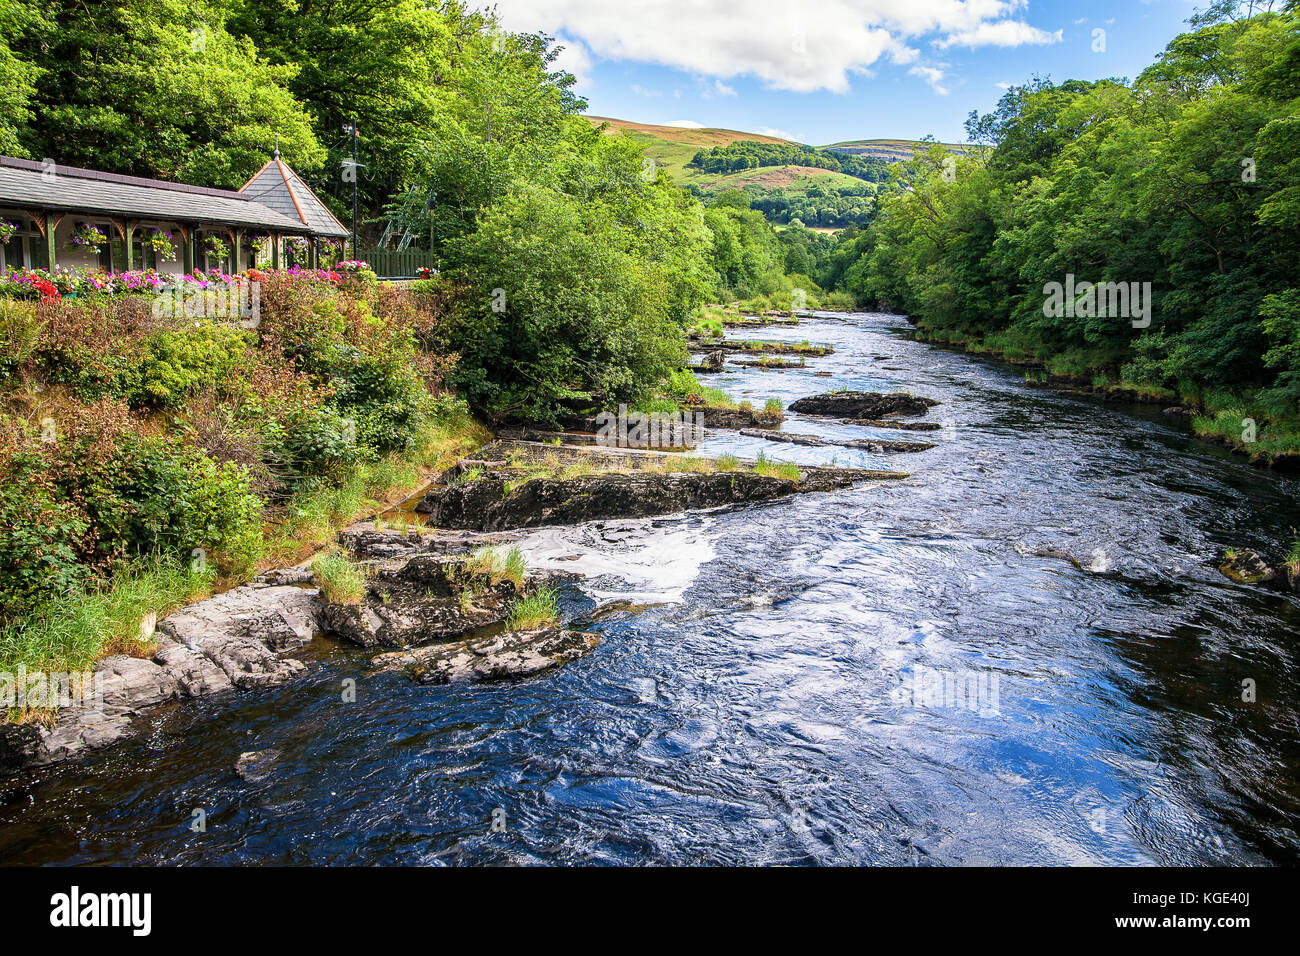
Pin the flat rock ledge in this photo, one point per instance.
(499, 501)
(510, 654)
(872, 405)
(877, 445)
(235, 640)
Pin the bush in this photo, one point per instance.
(159, 497)
(178, 361)
(39, 538)
(20, 333)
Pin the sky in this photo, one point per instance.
(826, 71)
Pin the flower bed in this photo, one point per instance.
(44, 285)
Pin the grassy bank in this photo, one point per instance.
(147, 460)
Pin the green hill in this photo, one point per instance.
(892, 150)
(800, 187)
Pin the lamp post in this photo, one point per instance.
(353, 132)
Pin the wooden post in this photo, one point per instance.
(128, 237)
(187, 235)
(237, 251)
(51, 227)
(275, 250)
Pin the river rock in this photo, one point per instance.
(506, 655)
(895, 424)
(245, 630)
(788, 438)
(1247, 567)
(256, 765)
(886, 446)
(863, 404)
(714, 361)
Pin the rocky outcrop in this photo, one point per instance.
(510, 654)
(773, 348)
(886, 446)
(497, 501)
(713, 361)
(895, 424)
(233, 640)
(243, 632)
(876, 445)
(788, 438)
(426, 598)
(764, 365)
(873, 405)
(737, 417)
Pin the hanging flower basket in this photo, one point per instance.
(161, 243)
(7, 231)
(88, 236)
(216, 247)
(258, 243)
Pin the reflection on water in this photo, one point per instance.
(755, 699)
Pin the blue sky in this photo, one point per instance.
(822, 71)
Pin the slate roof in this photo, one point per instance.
(280, 188)
(24, 184)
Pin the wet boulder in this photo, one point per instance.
(490, 503)
(510, 654)
(864, 404)
(1247, 567)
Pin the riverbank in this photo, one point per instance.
(453, 590)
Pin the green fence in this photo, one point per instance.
(391, 264)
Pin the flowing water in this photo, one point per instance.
(907, 672)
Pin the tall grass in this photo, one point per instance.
(79, 629)
(339, 579)
(536, 609)
(495, 565)
(785, 470)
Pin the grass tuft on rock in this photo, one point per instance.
(339, 579)
(539, 608)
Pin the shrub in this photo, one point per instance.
(160, 497)
(40, 537)
(20, 333)
(177, 361)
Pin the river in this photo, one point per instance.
(897, 674)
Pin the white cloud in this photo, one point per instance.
(642, 91)
(1002, 33)
(1002, 86)
(778, 133)
(811, 45)
(932, 76)
(686, 124)
(575, 59)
